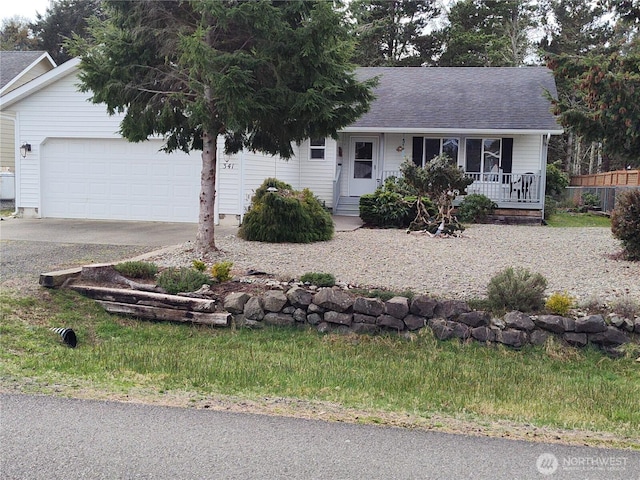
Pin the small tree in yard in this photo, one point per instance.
(625, 223)
(261, 74)
(441, 181)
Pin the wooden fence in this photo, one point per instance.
(618, 178)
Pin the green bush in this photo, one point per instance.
(556, 180)
(176, 280)
(475, 208)
(221, 271)
(516, 289)
(391, 206)
(625, 223)
(285, 215)
(199, 265)
(135, 269)
(550, 207)
(319, 279)
(590, 200)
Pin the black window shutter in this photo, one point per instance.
(418, 150)
(507, 156)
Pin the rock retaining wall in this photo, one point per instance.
(334, 310)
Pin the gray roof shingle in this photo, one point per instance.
(460, 98)
(14, 62)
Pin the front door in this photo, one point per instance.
(364, 164)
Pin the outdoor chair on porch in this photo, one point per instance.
(523, 187)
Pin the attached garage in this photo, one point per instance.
(113, 179)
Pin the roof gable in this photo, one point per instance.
(16, 65)
(460, 98)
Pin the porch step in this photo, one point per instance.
(348, 206)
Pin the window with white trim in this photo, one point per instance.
(483, 156)
(425, 149)
(317, 148)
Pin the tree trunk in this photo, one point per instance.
(206, 220)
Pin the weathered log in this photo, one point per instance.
(137, 297)
(105, 272)
(58, 278)
(220, 319)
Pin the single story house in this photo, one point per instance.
(494, 122)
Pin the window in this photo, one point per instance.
(425, 149)
(483, 157)
(317, 146)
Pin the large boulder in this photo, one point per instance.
(483, 334)
(414, 322)
(253, 309)
(591, 324)
(610, 337)
(338, 318)
(362, 318)
(450, 309)
(519, 321)
(390, 321)
(538, 337)
(369, 306)
(234, 302)
(397, 307)
(575, 339)
(474, 319)
(511, 337)
(333, 299)
(299, 297)
(423, 306)
(555, 323)
(441, 329)
(274, 300)
(279, 319)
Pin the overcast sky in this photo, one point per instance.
(23, 8)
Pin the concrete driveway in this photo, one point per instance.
(93, 232)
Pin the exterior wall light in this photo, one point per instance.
(24, 149)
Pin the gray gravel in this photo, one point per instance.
(576, 260)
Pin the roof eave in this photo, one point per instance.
(456, 131)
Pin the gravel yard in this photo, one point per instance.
(576, 260)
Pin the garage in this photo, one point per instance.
(112, 179)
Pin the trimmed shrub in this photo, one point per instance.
(392, 206)
(221, 271)
(319, 279)
(475, 208)
(135, 269)
(285, 215)
(625, 223)
(560, 303)
(516, 289)
(176, 280)
(556, 180)
(199, 265)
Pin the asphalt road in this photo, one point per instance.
(54, 438)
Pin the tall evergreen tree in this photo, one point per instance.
(487, 33)
(262, 74)
(61, 20)
(388, 31)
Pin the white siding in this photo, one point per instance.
(317, 175)
(392, 157)
(527, 153)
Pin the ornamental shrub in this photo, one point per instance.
(625, 223)
(280, 214)
(475, 208)
(319, 279)
(556, 180)
(516, 289)
(560, 303)
(392, 205)
(221, 271)
(176, 280)
(136, 269)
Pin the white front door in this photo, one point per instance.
(364, 165)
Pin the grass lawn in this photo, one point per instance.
(417, 378)
(569, 219)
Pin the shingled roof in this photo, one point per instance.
(12, 63)
(459, 98)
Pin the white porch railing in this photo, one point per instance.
(499, 187)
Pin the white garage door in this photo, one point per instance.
(117, 180)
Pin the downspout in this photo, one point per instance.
(242, 194)
(543, 171)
